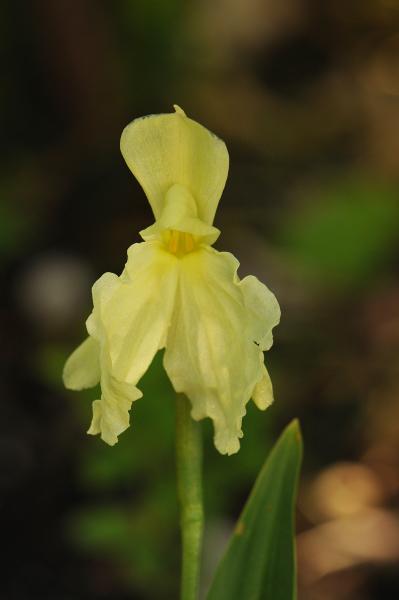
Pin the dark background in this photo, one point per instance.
(306, 95)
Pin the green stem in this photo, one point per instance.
(189, 489)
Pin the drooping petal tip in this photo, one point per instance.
(82, 369)
(263, 391)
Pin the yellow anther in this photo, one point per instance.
(189, 242)
(179, 242)
(174, 241)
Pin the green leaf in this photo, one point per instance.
(260, 560)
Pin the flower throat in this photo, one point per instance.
(179, 242)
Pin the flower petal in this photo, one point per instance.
(263, 308)
(111, 413)
(263, 392)
(138, 314)
(130, 319)
(102, 291)
(82, 369)
(210, 354)
(162, 150)
(179, 213)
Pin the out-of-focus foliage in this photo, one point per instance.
(140, 466)
(305, 94)
(345, 233)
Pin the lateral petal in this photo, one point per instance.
(138, 314)
(82, 369)
(111, 413)
(263, 392)
(130, 319)
(263, 308)
(168, 149)
(211, 354)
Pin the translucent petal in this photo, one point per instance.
(130, 319)
(211, 354)
(111, 413)
(82, 369)
(168, 149)
(263, 392)
(263, 308)
(102, 292)
(179, 213)
(138, 314)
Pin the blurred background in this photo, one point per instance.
(306, 95)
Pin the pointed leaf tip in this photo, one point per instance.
(260, 560)
(294, 428)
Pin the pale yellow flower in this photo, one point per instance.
(177, 292)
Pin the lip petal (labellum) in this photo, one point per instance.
(211, 354)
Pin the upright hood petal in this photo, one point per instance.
(168, 149)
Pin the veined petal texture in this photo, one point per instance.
(137, 316)
(130, 318)
(211, 354)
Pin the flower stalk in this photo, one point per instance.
(189, 489)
